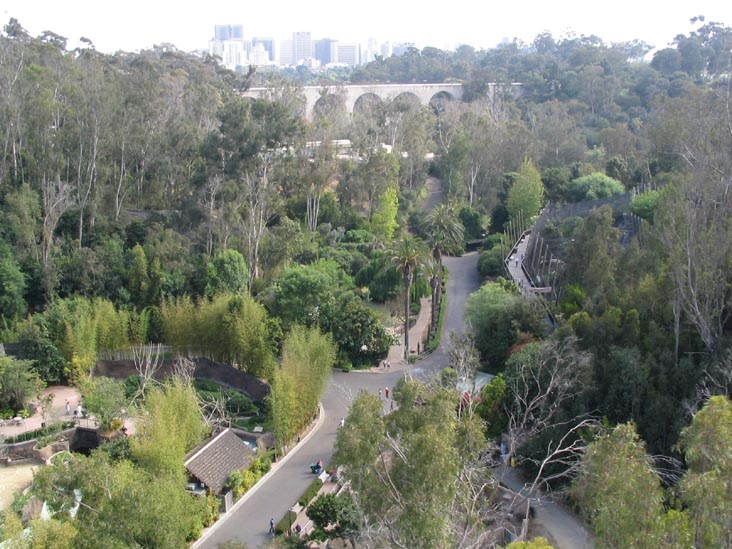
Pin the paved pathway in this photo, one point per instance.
(249, 521)
(61, 394)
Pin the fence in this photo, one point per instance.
(543, 257)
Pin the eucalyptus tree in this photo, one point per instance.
(415, 473)
(694, 213)
(409, 255)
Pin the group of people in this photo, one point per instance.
(386, 393)
(316, 468)
(78, 411)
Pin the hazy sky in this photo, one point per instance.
(132, 25)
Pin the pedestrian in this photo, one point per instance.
(68, 407)
(343, 422)
(379, 393)
(388, 363)
(517, 260)
(386, 392)
(272, 526)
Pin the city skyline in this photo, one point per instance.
(136, 25)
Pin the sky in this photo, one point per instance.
(132, 25)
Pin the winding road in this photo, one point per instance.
(280, 489)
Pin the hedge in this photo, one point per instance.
(310, 493)
(39, 433)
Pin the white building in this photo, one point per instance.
(228, 44)
(349, 54)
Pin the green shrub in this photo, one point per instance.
(284, 524)
(644, 205)
(310, 493)
(262, 465)
(248, 479)
(490, 262)
(38, 433)
(132, 385)
(213, 504)
(412, 359)
(492, 241)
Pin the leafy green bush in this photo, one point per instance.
(644, 205)
(132, 385)
(213, 504)
(492, 240)
(593, 186)
(38, 433)
(285, 522)
(310, 493)
(237, 403)
(490, 262)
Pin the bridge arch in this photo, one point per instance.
(351, 93)
(440, 100)
(366, 102)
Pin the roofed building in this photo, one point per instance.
(213, 461)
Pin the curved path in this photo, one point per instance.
(249, 520)
(274, 495)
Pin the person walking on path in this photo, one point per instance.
(272, 527)
(68, 407)
(343, 422)
(386, 392)
(379, 394)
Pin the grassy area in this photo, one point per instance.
(249, 423)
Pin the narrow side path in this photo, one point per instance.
(565, 528)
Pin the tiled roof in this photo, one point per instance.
(212, 463)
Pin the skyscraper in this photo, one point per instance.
(267, 43)
(302, 47)
(228, 32)
(349, 54)
(228, 44)
(326, 51)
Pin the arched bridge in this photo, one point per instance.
(352, 94)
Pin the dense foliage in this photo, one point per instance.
(142, 199)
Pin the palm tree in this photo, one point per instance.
(408, 256)
(446, 234)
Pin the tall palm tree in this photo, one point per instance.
(446, 234)
(409, 256)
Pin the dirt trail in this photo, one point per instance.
(13, 479)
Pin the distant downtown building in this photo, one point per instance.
(237, 53)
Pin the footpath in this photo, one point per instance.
(417, 339)
(57, 411)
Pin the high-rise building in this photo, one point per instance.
(386, 50)
(287, 53)
(302, 47)
(267, 43)
(349, 54)
(228, 32)
(400, 49)
(228, 44)
(370, 52)
(259, 57)
(326, 51)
